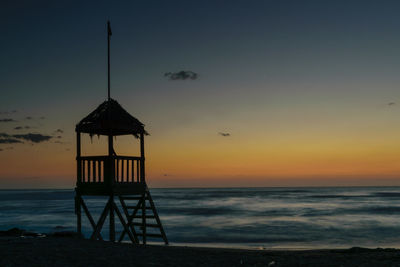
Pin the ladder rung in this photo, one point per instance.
(150, 235)
(147, 225)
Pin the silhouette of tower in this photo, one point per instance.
(116, 178)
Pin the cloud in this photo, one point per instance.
(59, 131)
(35, 138)
(20, 127)
(391, 104)
(224, 134)
(8, 112)
(10, 141)
(181, 75)
(34, 118)
(7, 120)
(19, 138)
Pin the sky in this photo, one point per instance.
(283, 93)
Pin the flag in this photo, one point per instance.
(109, 28)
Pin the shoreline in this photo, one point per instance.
(15, 233)
(65, 250)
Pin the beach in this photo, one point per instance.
(74, 251)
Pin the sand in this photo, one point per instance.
(74, 251)
(21, 248)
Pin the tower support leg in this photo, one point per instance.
(100, 223)
(112, 219)
(129, 221)
(144, 218)
(90, 218)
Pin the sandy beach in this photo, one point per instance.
(74, 251)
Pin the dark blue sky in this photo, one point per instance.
(53, 43)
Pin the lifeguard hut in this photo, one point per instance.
(119, 179)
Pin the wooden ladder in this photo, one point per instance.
(138, 222)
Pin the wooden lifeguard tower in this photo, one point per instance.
(114, 177)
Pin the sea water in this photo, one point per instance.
(261, 218)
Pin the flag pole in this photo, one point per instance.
(109, 33)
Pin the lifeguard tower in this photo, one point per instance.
(116, 178)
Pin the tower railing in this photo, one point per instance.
(110, 169)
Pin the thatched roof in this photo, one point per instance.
(110, 119)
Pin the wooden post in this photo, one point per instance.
(108, 56)
(142, 174)
(112, 219)
(111, 180)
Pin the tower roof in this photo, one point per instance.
(110, 119)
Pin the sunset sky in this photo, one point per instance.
(309, 91)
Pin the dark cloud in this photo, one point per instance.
(42, 118)
(1, 149)
(59, 131)
(7, 120)
(9, 141)
(4, 135)
(391, 103)
(224, 134)
(35, 138)
(59, 136)
(29, 118)
(19, 138)
(181, 75)
(20, 127)
(8, 112)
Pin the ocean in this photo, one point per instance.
(255, 218)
